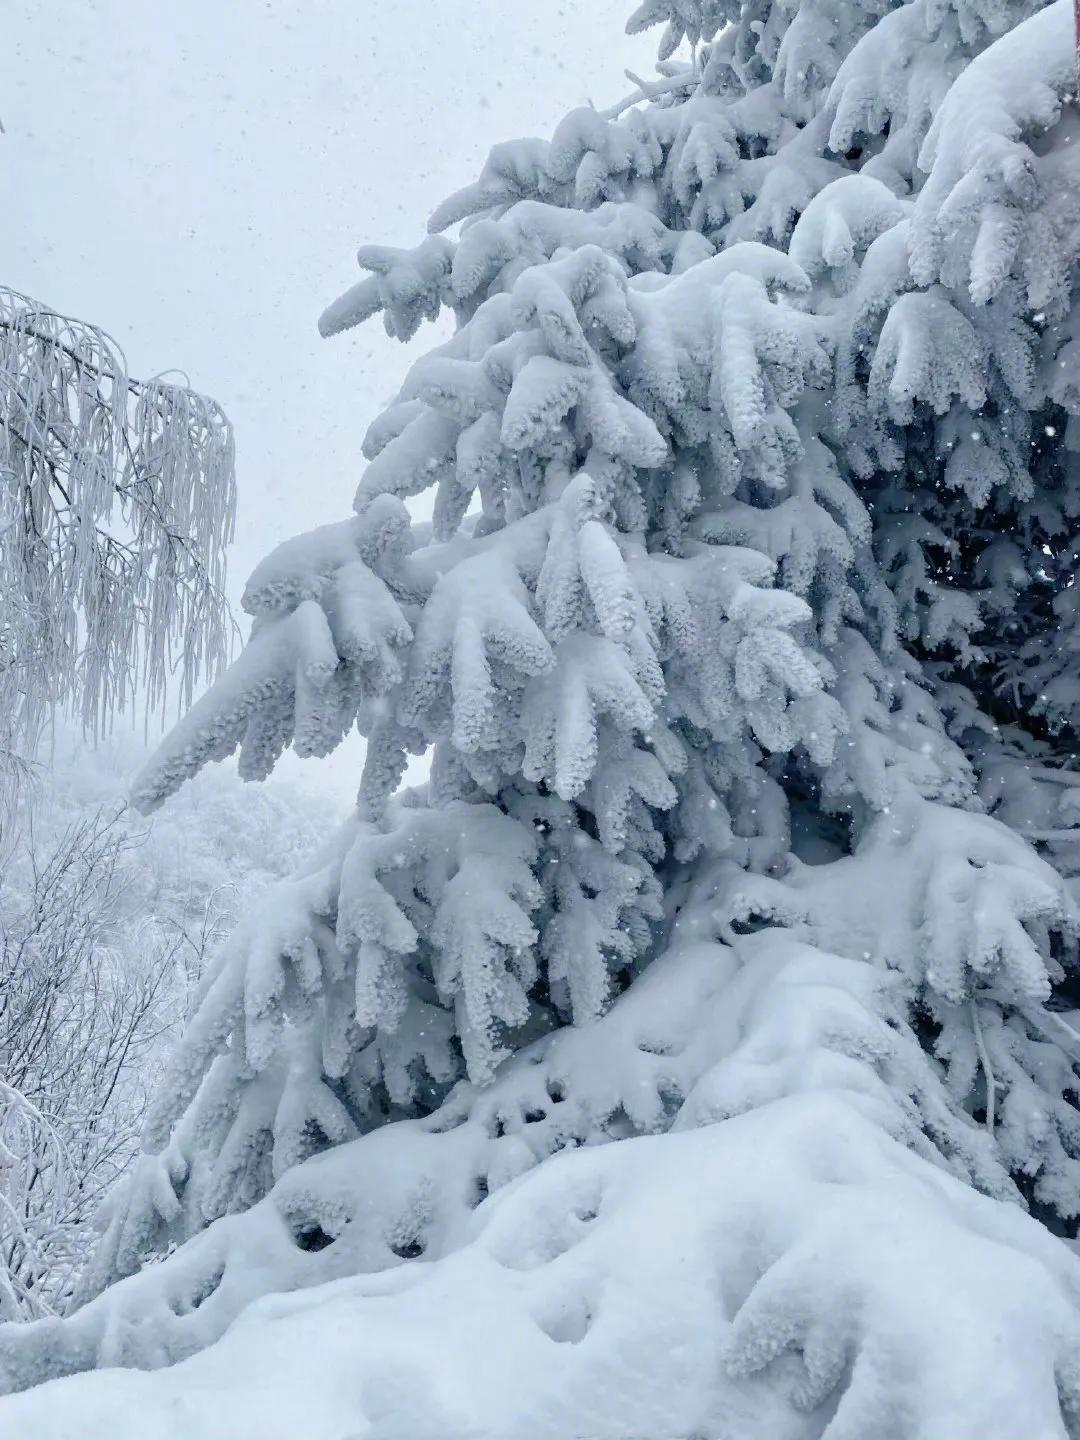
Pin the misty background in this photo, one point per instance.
(196, 179)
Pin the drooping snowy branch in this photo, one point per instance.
(117, 499)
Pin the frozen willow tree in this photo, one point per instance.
(742, 642)
(117, 499)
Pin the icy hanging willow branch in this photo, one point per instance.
(117, 499)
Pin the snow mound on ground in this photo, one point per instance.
(785, 1256)
(809, 1277)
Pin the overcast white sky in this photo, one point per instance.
(196, 177)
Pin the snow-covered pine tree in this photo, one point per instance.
(742, 641)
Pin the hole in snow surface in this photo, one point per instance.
(566, 1324)
(671, 1098)
(655, 1047)
(409, 1249)
(547, 1235)
(752, 923)
(312, 1237)
(185, 1304)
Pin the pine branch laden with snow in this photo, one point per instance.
(742, 644)
(117, 500)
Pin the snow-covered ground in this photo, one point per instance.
(670, 1287)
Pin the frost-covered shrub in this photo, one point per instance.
(106, 923)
